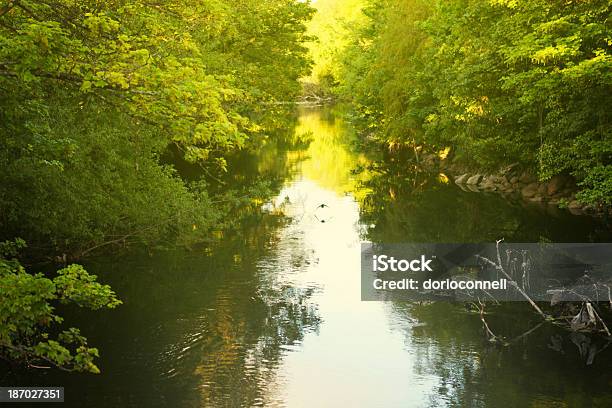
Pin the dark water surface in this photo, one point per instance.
(271, 315)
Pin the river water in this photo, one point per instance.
(271, 315)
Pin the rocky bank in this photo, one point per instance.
(559, 191)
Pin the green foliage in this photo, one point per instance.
(331, 29)
(29, 330)
(74, 284)
(94, 98)
(94, 95)
(498, 81)
(597, 185)
(185, 66)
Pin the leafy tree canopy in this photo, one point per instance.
(92, 94)
(499, 81)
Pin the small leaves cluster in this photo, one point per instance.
(29, 325)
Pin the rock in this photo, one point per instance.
(489, 184)
(573, 205)
(576, 211)
(530, 190)
(526, 178)
(475, 179)
(542, 189)
(536, 199)
(461, 179)
(514, 180)
(509, 168)
(589, 209)
(555, 184)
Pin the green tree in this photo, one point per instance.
(94, 96)
(499, 81)
(29, 325)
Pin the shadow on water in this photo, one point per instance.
(401, 205)
(269, 314)
(548, 367)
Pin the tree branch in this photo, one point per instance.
(77, 80)
(500, 268)
(8, 7)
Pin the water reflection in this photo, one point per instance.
(331, 157)
(270, 314)
(403, 202)
(450, 345)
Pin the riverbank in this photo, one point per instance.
(246, 318)
(517, 183)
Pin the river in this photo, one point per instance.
(271, 315)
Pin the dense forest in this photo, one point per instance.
(106, 109)
(94, 93)
(499, 82)
(94, 96)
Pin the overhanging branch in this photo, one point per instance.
(77, 80)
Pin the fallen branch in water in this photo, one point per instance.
(527, 333)
(588, 318)
(511, 281)
(491, 336)
(494, 338)
(577, 322)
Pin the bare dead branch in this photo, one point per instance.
(512, 282)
